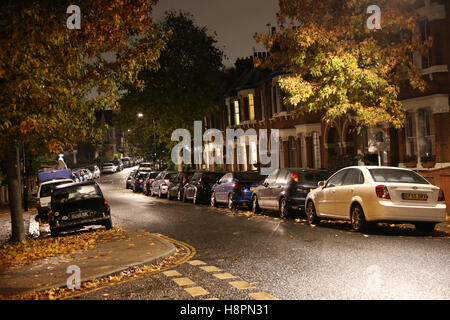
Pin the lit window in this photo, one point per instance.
(236, 113)
(251, 107)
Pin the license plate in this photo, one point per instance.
(80, 215)
(252, 188)
(415, 196)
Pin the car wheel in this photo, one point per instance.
(194, 199)
(213, 200)
(168, 195)
(425, 228)
(108, 224)
(54, 233)
(231, 203)
(358, 219)
(311, 215)
(255, 205)
(283, 209)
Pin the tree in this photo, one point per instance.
(182, 90)
(336, 65)
(53, 79)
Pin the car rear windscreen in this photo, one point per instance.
(398, 176)
(211, 177)
(249, 176)
(312, 177)
(75, 193)
(46, 189)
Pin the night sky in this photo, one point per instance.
(234, 21)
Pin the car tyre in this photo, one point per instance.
(425, 228)
(54, 233)
(108, 224)
(213, 200)
(255, 205)
(358, 219)
(311, 215)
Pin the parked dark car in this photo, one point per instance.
(161, 185)
(176, 185)
(286, 189)
(149, 179)
(138, 181)
(236, 188)
(119, 164)
(76, 205)
(126, 162)
(198, 189)
(130, 179)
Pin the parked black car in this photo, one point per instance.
(149, 179)
(198, 189)
(286, 189)
(130, 179)
(176, 186)
(76, 205)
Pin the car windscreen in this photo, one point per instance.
(75, 193)
(46, 189)
(211, 177)
(312, 177)
(398, 176)
(152, 175)
(249, 176)
(171, 176)
(107, 164)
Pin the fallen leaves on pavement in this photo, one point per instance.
(14, 255)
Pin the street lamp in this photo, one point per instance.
(140, 115)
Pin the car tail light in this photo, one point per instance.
(382, 192)
(50, 214)
(140, 180)
(237, 186)
(149, 180)
(441, 196)
(106, 205)
(38, 203)
(294, 176)
(184, 179)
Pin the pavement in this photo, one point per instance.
(105, 258)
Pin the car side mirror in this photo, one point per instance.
(321, 183)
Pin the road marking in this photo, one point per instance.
(210, 269)
(196, 262)
(183, 281)
(196, 291)
(172, 273)
(262, 296)
(241, 285)
(224, 276)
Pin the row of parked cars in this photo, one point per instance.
(363, 195)
(86, 174)
(117, 165)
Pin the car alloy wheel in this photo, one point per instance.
(357, 219)
(213, 200)
(283, 210)
(311, 213)
(194, 199)
(231, 203)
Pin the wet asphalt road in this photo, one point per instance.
(285, 259)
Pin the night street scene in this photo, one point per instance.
(269, 155)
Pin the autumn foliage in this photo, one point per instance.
(336, 65)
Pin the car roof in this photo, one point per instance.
(55, 180)
(85, 183)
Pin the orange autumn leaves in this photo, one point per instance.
(333, 64)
